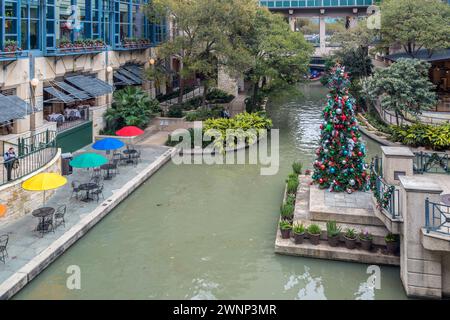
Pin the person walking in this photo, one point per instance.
(9, 158)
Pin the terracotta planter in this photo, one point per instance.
(314, 238)
(392, 247)
(298, 238)
(285, 233)
(366, 244)
(333, 241)
(350, 243)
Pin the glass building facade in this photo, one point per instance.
(41, 25)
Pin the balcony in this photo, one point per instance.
(436, 233)
(132, 44)
(315, 3)
(78, 47)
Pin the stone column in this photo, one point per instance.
(396, 161)
(420, 269)
(322, 33)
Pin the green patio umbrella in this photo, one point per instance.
(88, 160)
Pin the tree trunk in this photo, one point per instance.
(181, 88)
(397, 117)
(254, 97)
(205, 92)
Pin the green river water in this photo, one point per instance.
(207, 232)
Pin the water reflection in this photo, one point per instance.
(309, 287)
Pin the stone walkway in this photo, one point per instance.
(25, 244)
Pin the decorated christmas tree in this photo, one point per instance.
(340, 164)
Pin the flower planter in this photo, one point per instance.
(392, 247)
(333, 241)
(299, 237)
(314, 238)
(285, 233)
(366, 244)
(350, 243)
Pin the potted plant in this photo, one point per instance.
(314, 232)
(285, 228)
(333, 233)
(65, 45)
(11, 48)
(350, 238)
(299, 233)
(392, 243)
(287, 211)
(366, 239)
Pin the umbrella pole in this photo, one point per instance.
(43, 200)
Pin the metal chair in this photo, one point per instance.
(49, 224)
(75, 189)
(3, 244)
(96, 172)
(115, 163)
(97, 192)
(59, 216)
(95, 179)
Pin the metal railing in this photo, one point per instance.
(32, 154)
(387, 196)
(436, 162)
(437, 217)
(72, 122)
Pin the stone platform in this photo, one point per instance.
(354, 211)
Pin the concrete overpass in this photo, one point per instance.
(319, 19)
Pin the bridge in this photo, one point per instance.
(318, 20)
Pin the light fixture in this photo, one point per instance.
(34, 82)
(109, 69)
(291, 11)
(152, 61)
(322, 11)
(355, 10)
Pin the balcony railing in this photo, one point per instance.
(33, 153)
(132, 46)
(437, 217)
(11, 55)
(315, 3)
(72, 51)
(72, 119)
(436, 162)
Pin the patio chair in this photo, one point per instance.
(3, 244)
(59, 216)
(49, 224)
(115, 163)
(122, 159)
(96, 172)
(75, 189)
(97, 192)
(95, 179)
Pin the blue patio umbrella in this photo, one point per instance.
(108, 144)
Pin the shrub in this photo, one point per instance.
(314, 229)
(218, 96)
(422, 135)
(287, 211)
(173, 143)
(290, 199)
(350, 233)
(175, 111)
(204, 113)
(297, 166)
(292, 184)
(332, 229)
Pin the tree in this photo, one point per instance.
(276, 52)
(416, 24)
(207, 34)
(404, 87)
(132, 107)
(340, 157)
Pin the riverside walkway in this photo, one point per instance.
(29, 253)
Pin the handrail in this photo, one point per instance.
(33, 153)
(437, 217)
(435, 162)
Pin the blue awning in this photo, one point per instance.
(122, 79)
(12, 107)
(136, 70)
(74, 92)
(58, 95)
(130, 76)
(93, 86)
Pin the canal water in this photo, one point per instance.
(207, 232)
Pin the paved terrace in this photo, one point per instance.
(25, 243)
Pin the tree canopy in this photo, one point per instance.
(404, 87)
(416, 24)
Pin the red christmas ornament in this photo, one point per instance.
(360, 154)
(355, 139)
(322, 167)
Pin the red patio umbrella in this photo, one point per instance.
(130, 131)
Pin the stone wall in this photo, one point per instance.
(446, 275)
(227, 83)
(21, 202)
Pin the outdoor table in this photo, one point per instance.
(88, 187)
(42, 213)
(108, 167)
(129, 153)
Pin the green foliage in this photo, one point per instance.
(314, 229)
(297, 166)
(204, 113)
(292, 184)
(287, 211)
(218, 96)
(375, 120)
(365, 235)
(332, 229)
(173, 143)
(415, 24)
(423, 135)
(350, 233)
(390, 237)
(132, 107)
(299, 228)
(285, 225)
(404, 87)
(241, 123)
(290, 199)
(175, 111)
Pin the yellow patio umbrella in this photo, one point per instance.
(44, 181)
